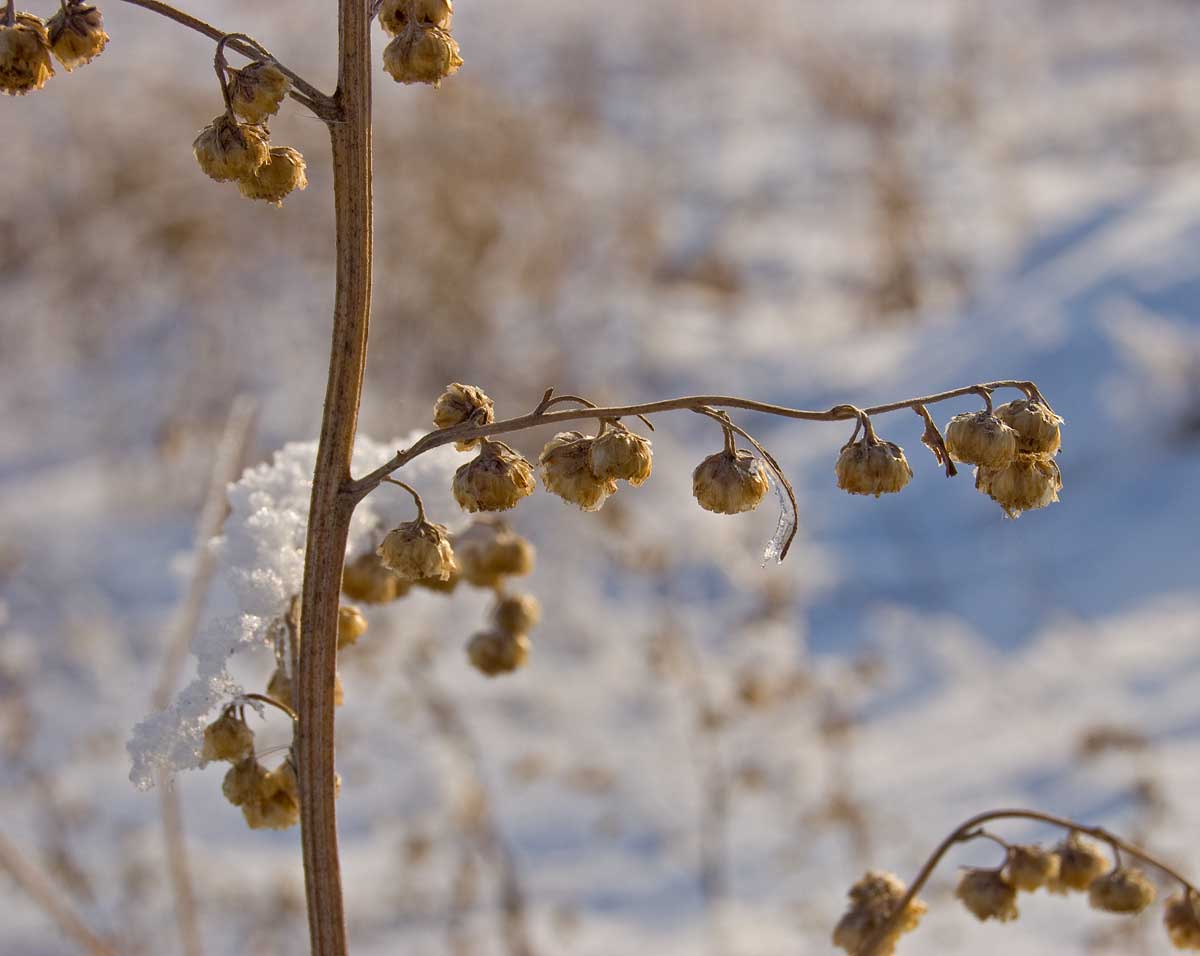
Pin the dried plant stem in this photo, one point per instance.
(972, 829)
(43, 893)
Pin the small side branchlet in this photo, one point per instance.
(24, 55)
(76, 34)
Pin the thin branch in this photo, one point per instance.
(416, 497)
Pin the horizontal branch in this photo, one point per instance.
(361, 487)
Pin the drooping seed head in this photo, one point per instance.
(281, 174)
(498, 652)
(275, 804)
(566, 472)
(1123, 890)
(243, 781)
(1030, 867)
(463, 403)
(366, 579)
(228, 150)
(76, 34)
(447, 586)
(422, 54)
(977, 438)
(873, 900)
(396, 15)
(227, 738)
(988, 895)
(1080, 861)
(1024, 484)
(517, 613)
(619, 454)
(867, 467)
(730, 483)
(495, 480)
(351, 626)
(24, 55)
(419, 549)
(488, 552)
(257, 90)
(1182, 920)
(1036, 426)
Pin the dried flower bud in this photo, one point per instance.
(517, 613)
(463, 403)
(351, 626)
(227, 738)
(1030, 867)
(418, 549)
(24, 55)
(257, 90)
(243, 781)
(1182, 920)
(729, 483)
(867, 467)
(1036, 426)
(275, 804)
(1080, 861)
(366, 579)
(76, 34)
(227, 149)
(489, 552)
(1124, 890)
(978, 438)
(282, 173)
(495, 480)
(396, 15)
(498, 652)
(422, 54)
(988, 895)
(620, 454)
(1025, 484)
(565, 471)
(873, 900)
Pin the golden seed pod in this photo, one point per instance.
(463, 403)
(498, 652)
(396, 15)
(876, 468)
(988, 895)
(489, 552)
(873, 900)
(275, 804)
(257, 90)
(1181, 917)
(418, 549)
(227, 738)
(447, 586)
(1080, 861)
(351, 626)
(76, 34)
(1124, 890)
(563, 465)
(517, 613)
(729, 484)
(1025, 484)
(366, 579)
(1036, 426)
(495, 480)
(243, 781)
(227, 149)
(1030, 867)
(422, 54)
(282, 173)
(24, 55)
(620, 454)
(977, 438)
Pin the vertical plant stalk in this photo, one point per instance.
(331, 506)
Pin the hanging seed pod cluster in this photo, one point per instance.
(422, 49)
(29, 45)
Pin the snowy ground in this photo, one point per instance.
(686, 204)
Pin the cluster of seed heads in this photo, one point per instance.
(422, 49)
(29, 45)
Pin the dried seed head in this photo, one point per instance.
(1025, 484)
(1080, 861)
(76, 34)
(489, 552)
(275, 804)
(978, 438)
(1030, 867)
(1036, 426)
(351, 626)
(517, 613)
(396, 15)
(463, 403)
(227, 149)
(257, 90)
(563, 465)
(620, 454)
(498, 652)
(1182, 920)
(873, 900)
(279, 687)
(282, 173)
(422, 54)
(1124, 890)
(243, 781)
(366, 579)
(227, 738)
(419, 549)
(867, 467)
(495, 480)
(437, 584)
(728, 483)
(24, 55)
(988, 895)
